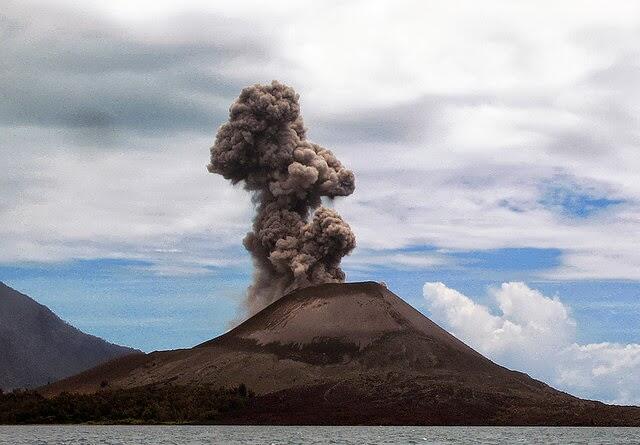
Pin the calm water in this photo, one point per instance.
(195, 435)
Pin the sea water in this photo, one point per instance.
(196, 435)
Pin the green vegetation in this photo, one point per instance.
(150, 404)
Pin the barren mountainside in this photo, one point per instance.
(37, 347)
(353, 354)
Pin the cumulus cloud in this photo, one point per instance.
(534, 333)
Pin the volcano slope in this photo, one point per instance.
(353, 354)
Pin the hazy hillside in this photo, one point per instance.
(37, 347)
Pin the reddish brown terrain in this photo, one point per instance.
(353, 354)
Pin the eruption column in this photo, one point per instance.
(295, 242)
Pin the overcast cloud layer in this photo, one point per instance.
(496, 126)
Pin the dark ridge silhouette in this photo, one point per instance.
(37, 347)
(352, 354)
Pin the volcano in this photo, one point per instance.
(353, 353)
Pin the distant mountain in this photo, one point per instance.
(37, 347)
(353, 354)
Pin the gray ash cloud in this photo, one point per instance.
(295, 242)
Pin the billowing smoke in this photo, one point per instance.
(264, 147)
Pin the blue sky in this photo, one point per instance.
(124, 302)
(491, 144)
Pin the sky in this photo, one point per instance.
(496, 147)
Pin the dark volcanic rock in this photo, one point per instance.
(354, 354)
(37, 347)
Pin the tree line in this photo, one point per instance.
(148, 404)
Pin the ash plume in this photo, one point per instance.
(295, 242)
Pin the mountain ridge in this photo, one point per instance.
(38, 347)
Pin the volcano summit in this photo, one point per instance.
(353, 353)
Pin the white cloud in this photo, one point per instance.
(144, 204)
(369, 260)
(534, 333)
(452, 116)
